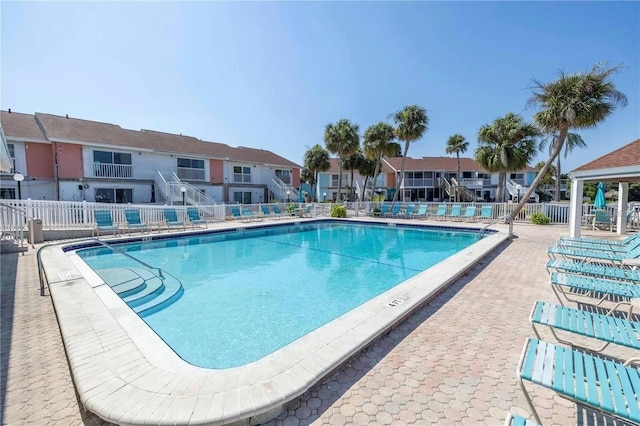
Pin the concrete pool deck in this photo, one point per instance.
(452, 361)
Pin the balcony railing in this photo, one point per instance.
(413, 182)
(113, 170)
(188, 173)
(471, 182)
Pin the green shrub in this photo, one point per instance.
(539, 218)
(338, 211)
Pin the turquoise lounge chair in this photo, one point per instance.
(601, 384)
(595, 255)
(486, 213)
(133, 220)
(104, 222)
(569, 241)
(277, 212)
(470, 214)
(515, 420)
(606, 271)
(441, 212)
(620, 246)
(606, 290)
(267, 213)
(171, 219)
(384, 210)
(421, 213)
(248, 214)
(455, 212)
(194, 217)
(606, 328)
(409, 211)
(235, 211)
(602, 219)
(395, 211)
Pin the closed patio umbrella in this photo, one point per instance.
(600, 201)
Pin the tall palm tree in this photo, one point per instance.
(378, 142)
(342, 139)
(573, 140)
(507, 144)
(573, 101)
(316, 160)
(352, 162)
(458, 144)
(411, 124)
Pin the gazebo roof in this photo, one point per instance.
(621, 165)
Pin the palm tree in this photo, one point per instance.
(574, 101)
(411, 124)
(342, 139)
(378, 142)
(574, 140)
(316, 160)
(352, 162)
(507, 144)
(367, 169)
(457, 144)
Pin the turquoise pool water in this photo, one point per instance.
(248, 293)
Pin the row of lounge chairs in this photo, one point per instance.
(442, 213)
(246, 215)
(104, 221)
(603, 278)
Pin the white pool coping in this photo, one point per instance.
(126, 374)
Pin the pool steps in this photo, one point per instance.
(141, 289)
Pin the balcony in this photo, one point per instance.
(471, 182)
(188, 173)
(105, 170)
(417, 183)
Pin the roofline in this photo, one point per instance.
(20, 139)
(608, 173)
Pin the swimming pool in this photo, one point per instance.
(246, 294)
(125, 373)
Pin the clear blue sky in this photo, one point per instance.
(272, 75)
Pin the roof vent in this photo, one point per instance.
(67, 115)
(9, 110)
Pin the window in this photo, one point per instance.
(190, 163)
(7, 193)
(242, 197)
(112, 195)
(334, 179)
(12, 155)
(283, 175)
(107, 157)
(241, 174)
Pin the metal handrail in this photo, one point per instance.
(42, 275)
(506, 217)
(129, 256)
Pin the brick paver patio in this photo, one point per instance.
(451, 362)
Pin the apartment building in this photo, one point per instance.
(426, 179)
(65, 158)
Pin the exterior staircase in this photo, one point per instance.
(279, 191)
(465, 194)
(170, 191)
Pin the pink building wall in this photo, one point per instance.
(39, 158)
(295, 179)
(69, 160)
(216, 168)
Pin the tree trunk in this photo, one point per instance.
(556, 151)
(375, 177)
(401, 179)
(364, 187)
(339, 198)
(557, 194)
(458, 177)
(351, 189)
(314, 187)
(502, 177)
